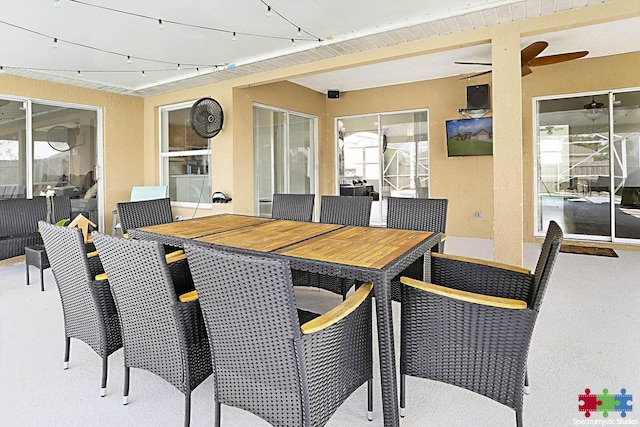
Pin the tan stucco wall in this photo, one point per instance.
(123, 131)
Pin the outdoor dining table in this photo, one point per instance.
(368, 254)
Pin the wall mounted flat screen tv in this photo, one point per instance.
(470, 137)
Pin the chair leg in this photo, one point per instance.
(41, 278)
(370, 399)
(518, 418)
(216, 423)
(527, 389)
(27, 264)
(125, 393)
(402, 395)
(187, 409)
(103, 386)
(67, 347)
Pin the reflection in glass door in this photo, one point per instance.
(284, 151)
(59, 151)
(384, 153)
(583, 180)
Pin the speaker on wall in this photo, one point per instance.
(478, 97)
(333, 94)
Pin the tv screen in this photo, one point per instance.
(470, 137)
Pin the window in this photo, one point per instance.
(184, 157)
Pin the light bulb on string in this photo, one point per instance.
(299, 33)
(143, 74)
(54, 44)
(234, 38)
(79, 73)
(160, 24)
(179, 67)
(129, 60)
(293, 42)
(269, 13)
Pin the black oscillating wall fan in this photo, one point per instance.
(61, 138)
(206, 117)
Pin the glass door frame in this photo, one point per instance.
(381, 164)
(612, 154)
(286, 164)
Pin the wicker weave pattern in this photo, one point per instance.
(144, 213)
(481, 348)
(262, 363)
(295, 207)
(160, 334)
(415, 214)
(19, 222)
(89, 311)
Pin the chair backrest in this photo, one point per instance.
(417, 214)
(67, 256)
(346, 210)
(254, 332)
(144, 213)
(546, 261)
(144, 294)
(149, 192)
(295, 207)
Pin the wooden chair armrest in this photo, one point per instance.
(170, 259)
(340, 312)
(174, 254)
(101, 276)
(189, 296)
(92, 254)
(482, 262)
(489, 300)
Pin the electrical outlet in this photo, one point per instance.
(478, 214)
(178, 217)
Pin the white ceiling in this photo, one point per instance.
(97, 41)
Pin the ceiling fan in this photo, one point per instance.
(529, 58)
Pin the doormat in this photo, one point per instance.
(588, 250)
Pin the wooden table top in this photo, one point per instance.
(197, 227)
(359, 246)
(269, 236)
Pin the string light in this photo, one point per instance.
(160, 24)
(55, 43)
(299, 33)
(234, 38)
(293, 42)
(179, 67)
(270, 11)
(79, 73)
(129, 60)
(143, 74)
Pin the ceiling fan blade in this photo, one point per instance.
(554, 59)
(474, 63)
(525, 71)
(531, 51)
(476, 75)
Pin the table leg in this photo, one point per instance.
(386, 351)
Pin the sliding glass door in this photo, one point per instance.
(387, 154)
(52, 146)
(588, 165)
(284, 155)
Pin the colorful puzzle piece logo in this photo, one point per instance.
(605, 403)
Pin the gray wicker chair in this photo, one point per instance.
(343, 210)
(89, 311)
(295, 207)
(264, 361)
(472, 326)
(161, 334)
(144, 213)
(415, 214)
